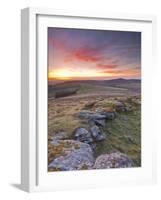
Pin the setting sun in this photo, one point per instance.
(60, 74)
(65, 74)
(87, 54)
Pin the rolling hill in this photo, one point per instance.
(113, 86)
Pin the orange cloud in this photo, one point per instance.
(126, 72)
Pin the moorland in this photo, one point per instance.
(103, 114)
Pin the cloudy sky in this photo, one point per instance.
(81, 54)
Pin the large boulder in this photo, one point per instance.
(83, 135)
(70, 155)
(85, 114)
(113, 160)
(91, 115)
(97, 133)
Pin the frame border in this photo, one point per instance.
(29, 150)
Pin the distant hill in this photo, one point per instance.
(112, 82)
(122, 81)
(119, 86)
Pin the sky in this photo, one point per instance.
(84, 54)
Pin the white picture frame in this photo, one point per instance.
(33, 176)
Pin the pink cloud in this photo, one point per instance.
(87, 54)
(107, 66)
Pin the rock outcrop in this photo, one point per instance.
(98, 115)
(85, 114)
(98, 122)
(91, 136)
(71, 155)
(67, 154)
(83, 135)
(97, 133)
(113, 160)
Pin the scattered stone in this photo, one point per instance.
(97, 134)
(83, 135)
(109, 115)
(113, 160)
(136, 101)
(119, 104)
(129, 139)
(62, 135)
(121, 107)
(71, 155)
(128, 108)
(89, 105)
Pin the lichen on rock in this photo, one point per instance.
(71, 155)
(113, 160)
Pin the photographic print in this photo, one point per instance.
(94, 99)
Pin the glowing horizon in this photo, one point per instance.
(75, 54)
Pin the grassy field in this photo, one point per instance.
(123, 133)
(117, 88)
